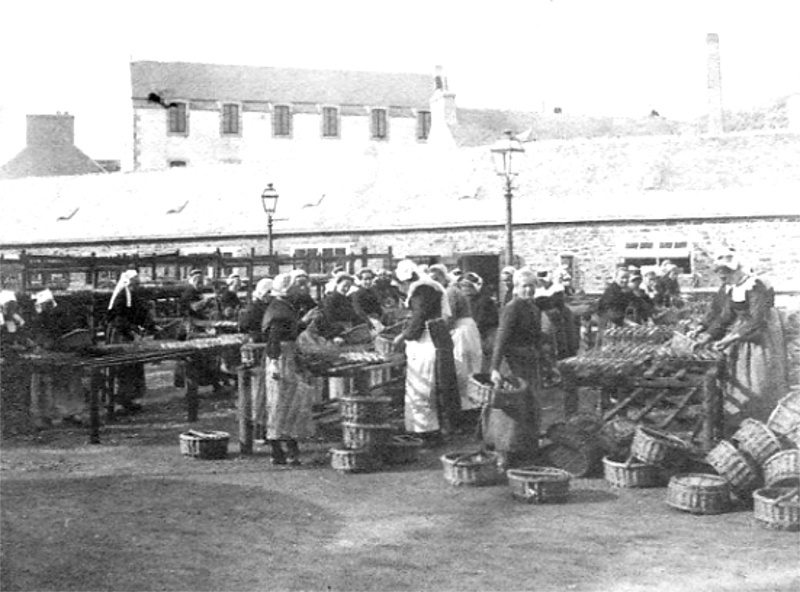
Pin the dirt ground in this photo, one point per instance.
(133, 514)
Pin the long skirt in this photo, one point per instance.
(468, 358)
(516, 429)
(421, 412)
(289, 413)
(130, 378)
(757, 373)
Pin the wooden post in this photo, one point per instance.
(192, 396)
(571, 402)
(108, 391)
(712, 409)
(245, 411)
(96, 384)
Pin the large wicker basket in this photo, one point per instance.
(346, 460)
(786, 415)
(368, 436)
(205, 445)
(699, 493)
(632, 473)
(402, 449)
(616, 436)
(738, 469)
(782, 469)
(539, 485)
(364, 410)
(778, 507)
(577, 459)
(656, 447)
(757, 440)
(471, 468)
(484, 392)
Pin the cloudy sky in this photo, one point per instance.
(603, 57)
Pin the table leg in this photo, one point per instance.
(245, 411)
(712, 410)
(96, 385)
(570, 401)
(192, 395)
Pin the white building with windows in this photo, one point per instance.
(188, 114)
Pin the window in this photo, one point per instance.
(178, 119)
(330, 122)
(176, 164)
(653, 252)
(379, 124)
(423, 125)
(321, 259)
(230, 119)
(281, 121)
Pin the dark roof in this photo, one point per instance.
(49, 161)
(183, 80)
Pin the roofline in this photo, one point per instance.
(391, 230)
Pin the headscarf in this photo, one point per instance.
(727, 259)
(15, 321)
(232, 278)
(523, 275)
(406, 270)
(473, 279)
(296, 274)
(262, 288)
(282, 283)
(426, 280)
(44, 296)
(123, 283)
(7, 296)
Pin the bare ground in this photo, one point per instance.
(133, 514)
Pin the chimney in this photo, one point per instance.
(715, 121)
(51, 130)
(443, 110)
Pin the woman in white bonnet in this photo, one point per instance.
(744, 323)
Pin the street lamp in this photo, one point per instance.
(269, 199)
(506, 154)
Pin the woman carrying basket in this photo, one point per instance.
(513, 431)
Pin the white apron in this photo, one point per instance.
(420, 408)
(468, 355)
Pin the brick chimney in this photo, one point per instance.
(716, 125)
(443, 111)
(51, 130)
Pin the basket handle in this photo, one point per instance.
(788, 495)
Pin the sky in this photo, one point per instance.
(593, 57)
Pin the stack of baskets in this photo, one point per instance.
(653, 455)
(366, 434)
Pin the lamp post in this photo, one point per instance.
(506, 154)
(269, 199)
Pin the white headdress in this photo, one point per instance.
(123, 284)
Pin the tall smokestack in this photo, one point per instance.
(715, 122)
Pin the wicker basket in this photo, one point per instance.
(471, 468)
(539, 485)
(367, 436)
(346, 460)
(738, 469)
(364, 410)
(786, 415)
(778, 507)
(757, 440)
(578, 460)
(402, 449)
(699, 493)
(655, 447)
(205, 445)
(483, 391)
(782, 469)
(632, 473)
(616, 436)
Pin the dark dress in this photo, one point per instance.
(338, 315)
(367, 303)
(515, 429)
(204, 366)
(125, 323)
(757, 366)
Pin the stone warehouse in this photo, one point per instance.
(591, 204)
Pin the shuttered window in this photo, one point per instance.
(423, 125)
(178, 119)
(281, 121)
(230, 119)
(379, 124)
(330, 122)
